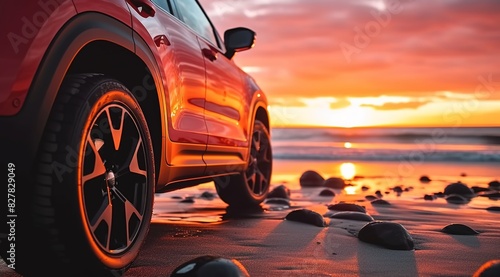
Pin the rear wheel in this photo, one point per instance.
(93, 194)
(250, 188)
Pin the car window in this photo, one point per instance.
(192, 14)
(163, 4)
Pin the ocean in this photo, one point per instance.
(466, 144)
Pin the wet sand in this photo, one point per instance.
(268, 245)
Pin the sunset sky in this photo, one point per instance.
(372, 62)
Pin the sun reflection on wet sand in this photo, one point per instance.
(348, 171)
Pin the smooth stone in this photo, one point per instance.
(210, 266)
(494, 185)
(347, 207)
(429, 197)
(207, 195)
(459, 188)
(378, 193)
(176, 197)
(397, 189)
(495, 195)
(327, 192)
(390, 235)
(493, 209)
(380, 202)
(459, 229)
(463, 174)
(365, 188)
(489, 269)
(457, 199)
(425, 179)
(187, 200)
(311, 178)
(334, 183)
(359, 216)
(477, 189)
(280, 191)
(439, 194)
(306, 216)
(370, 197)
(278, 201)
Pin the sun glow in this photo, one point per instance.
(348, 170)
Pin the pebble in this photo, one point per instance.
(493, 209)
(477, 189)
(327, 192)
(211, 266)
(306, 216)
(359, 216)
(370, 197)
(207, 195)
(489, 269)
(494, 185)
(365, 188)
(347, 207)
(460, 189)
(457, 199)
(278, 201)
(334, 183)
(459, 229)
(429, 197)
(425, 179)
(311, 178)
(187, 200)
(397, 189)
(390, 235)
(280, 191)
(380, 202)
(378, 193)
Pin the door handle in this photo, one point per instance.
(143, 7)
(209, 54)
(161, 39)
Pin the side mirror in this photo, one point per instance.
(238, 39)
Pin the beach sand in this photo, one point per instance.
(267, 245)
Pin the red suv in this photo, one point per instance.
(104, 103)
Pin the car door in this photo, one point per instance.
(227, 104)
(183, 68)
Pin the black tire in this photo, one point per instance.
(250, 188)
(94, 189)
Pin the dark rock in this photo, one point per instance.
(387, 192)
(397, 189)
(494, 185)
(407, 189)
(334, 183)
(280, 191)
(378, 193)
(489, 269)
(386, 234)
(176, 197)
(495, 195)
(439, 194)
(459, 229)
(380, 202)
(365, 188)
(370, 197)
(359, 216)
(311, 178)
(187, 200)
(278, 201)
(457, 199)
(460, 189)
(306, 216)
(425, 179)
(493, 209)
(429, 197)
(347, 207)
(207, 195)
(327, 192)
(463, 174)
(477, 189)
(211, 266)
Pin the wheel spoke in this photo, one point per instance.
(98, 167)
(134, 163)
(105, 214)
(116, 133)
(130, 211)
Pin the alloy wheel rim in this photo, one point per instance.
(114, 181)
(258, 172)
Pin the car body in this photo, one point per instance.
(104, 103)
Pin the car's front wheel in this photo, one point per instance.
(93, 194)
(250, 187)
